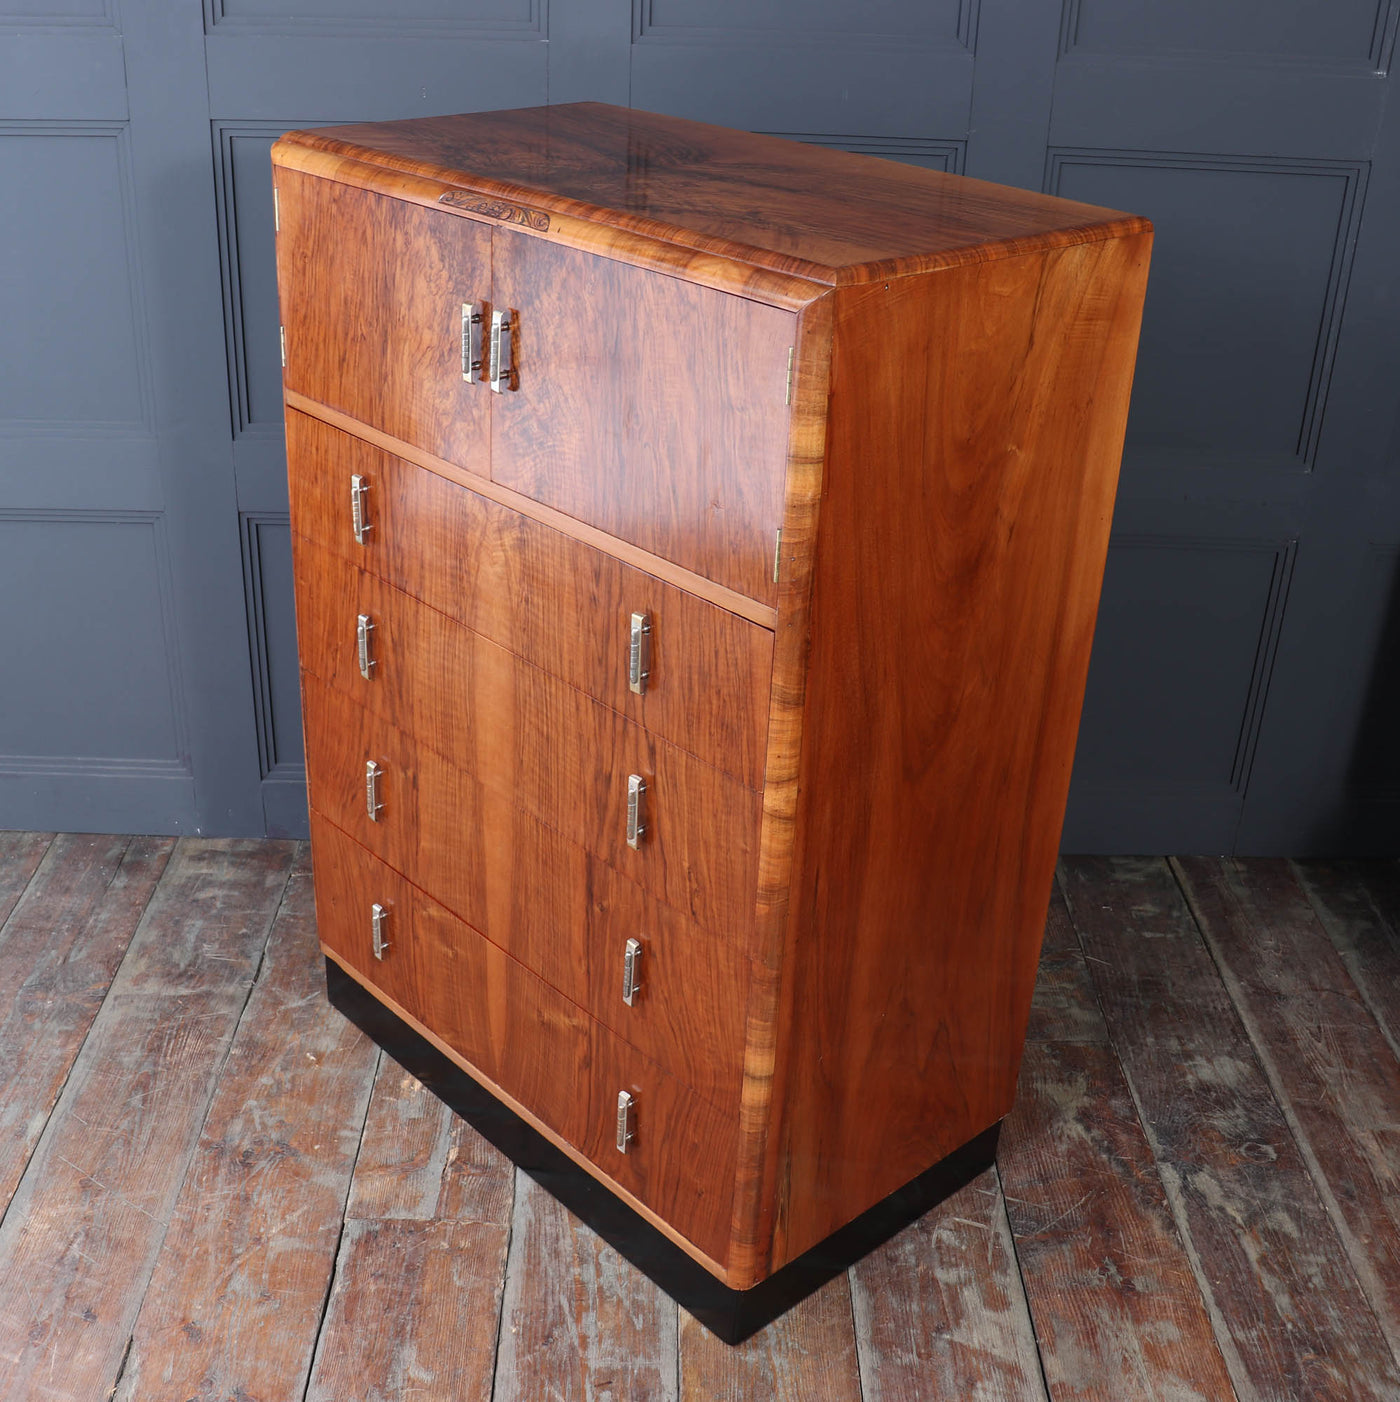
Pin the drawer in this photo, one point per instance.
(560, 604)
(529, 1040)
(562, 912)
(537, 742)
(384, 348)
(650, 407)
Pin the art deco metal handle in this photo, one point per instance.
(359, 488)
(502, 363)
(372, 803)
(636, 809)
(626, 1128)
(378, 925)
(471, 341)
(639, 653)
(364, 626)
(631, 971)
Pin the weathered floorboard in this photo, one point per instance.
(235, 1301)
(1331, 1068)
(420, 1161)
(84, 1228)
(1065, 1007)
(1145, 1203)
(413, 1313)
(416, 1303)
(20, 855)
(1118, 1313)
(59, 951)
(1291, 1318)
(1359, 906)
(940, 1312)
(807, 1353)
(578, 1321)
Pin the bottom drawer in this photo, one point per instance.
(530, 1041)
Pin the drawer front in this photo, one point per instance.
(560, 604)
(650, 407)
(372, 291)
(537, 1046)
(560, 911)
(544, 746)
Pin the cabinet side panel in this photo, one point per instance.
(977, 419)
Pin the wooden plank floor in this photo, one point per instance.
(213, 1187)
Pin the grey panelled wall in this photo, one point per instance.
(1246, 672)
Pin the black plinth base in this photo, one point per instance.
(731, 1314)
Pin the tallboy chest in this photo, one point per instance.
(697, 543)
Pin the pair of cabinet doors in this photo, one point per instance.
(649, 407)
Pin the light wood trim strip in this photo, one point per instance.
(639, 1207)
(752, 1234)
(762, 614)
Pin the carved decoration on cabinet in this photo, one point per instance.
(496, 209)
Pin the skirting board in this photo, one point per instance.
(732, 1315)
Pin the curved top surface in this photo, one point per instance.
(830, 216)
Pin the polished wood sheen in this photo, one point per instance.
(372, 299)
(560, 911)
(803, 210)
(950, 647)
(532, 1042)
(488, 716)
(654, 251)
(624, 551)
(852, 430)
(675, 441)
(526, 587)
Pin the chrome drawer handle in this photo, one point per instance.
(626, 1128)
(639, 653)
(359, 488)
(364, 626)
(636, 810)
(631, 971)
(378, 921)
(471, 342)
(502, 366)
(372, 804)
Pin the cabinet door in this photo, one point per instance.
(372, 291)
(650, 407)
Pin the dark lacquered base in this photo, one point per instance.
(732, 1315)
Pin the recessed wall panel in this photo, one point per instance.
(249, 251)
(87, 630)
(46, 12)
(331, 15)
(1249, 271)
(267, 564)
(1306, 31)
(72, 351)
(1182, 653)
(921, 21)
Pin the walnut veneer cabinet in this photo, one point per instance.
(698, 538)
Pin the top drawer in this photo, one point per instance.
(552, 600)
